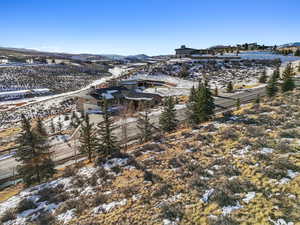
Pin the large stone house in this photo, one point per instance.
(117, 97)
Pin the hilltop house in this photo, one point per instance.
(58, 61)
(290, 47)
(117, 97)
(183, 51)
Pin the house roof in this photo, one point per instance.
(180, 49)
(122, 92)
(110, 89)
(133, 95)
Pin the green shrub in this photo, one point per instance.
(67, 205)
(69, 171)
(163, 189)
(45, 219)
(78, 181)
(9, 214)
(291, 133)
(223, 198)
(25, 204)
(171, 212)
(53, 195)
(230, 170)
(274, 173)
(238, 186)
(129, 191)
(284, 163)
(223, 220)
(197, 183)
(229, 133)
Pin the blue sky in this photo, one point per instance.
(145, 26)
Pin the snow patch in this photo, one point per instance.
(249, 196)
(228, 209)
(292, 174)
(115, 162)
(284, 180)
(87, 171)
(267, 150)
(169, 222)
(107, 207)
(280, 222)
(244, 150)
(207, 194)
(67, 216)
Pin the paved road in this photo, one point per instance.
(66, 150)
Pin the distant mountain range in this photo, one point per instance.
(129, 57)
(83, 57)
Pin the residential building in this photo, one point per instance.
(3, 60)
(117, 97)
(183, 51)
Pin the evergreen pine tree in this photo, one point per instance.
(288, 82)
(216, 91)
(208, 102)
(271, 87)
(203, 106)
(40, 128)
(276, 73)
(3, 116)
(108, 144)
(257, 100)
(33, 153)
(297, 53)
(74, 120)
(263, 78)
(238, 103)
(88, 140)
(184, 73)
(124, 127)
(144, 126)
(167, 120)
(59, 125)
(52, 126)
(192, 94)
(229, 87)
(67, 117)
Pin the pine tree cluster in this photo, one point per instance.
(271, 88)
(263, 78)
(288, 82)
(201, 104)
(34, 153)
(144, 125)
(89, 141)
(167, 120)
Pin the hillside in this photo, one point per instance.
(238, 169)
(294, 44)
(22, 52)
